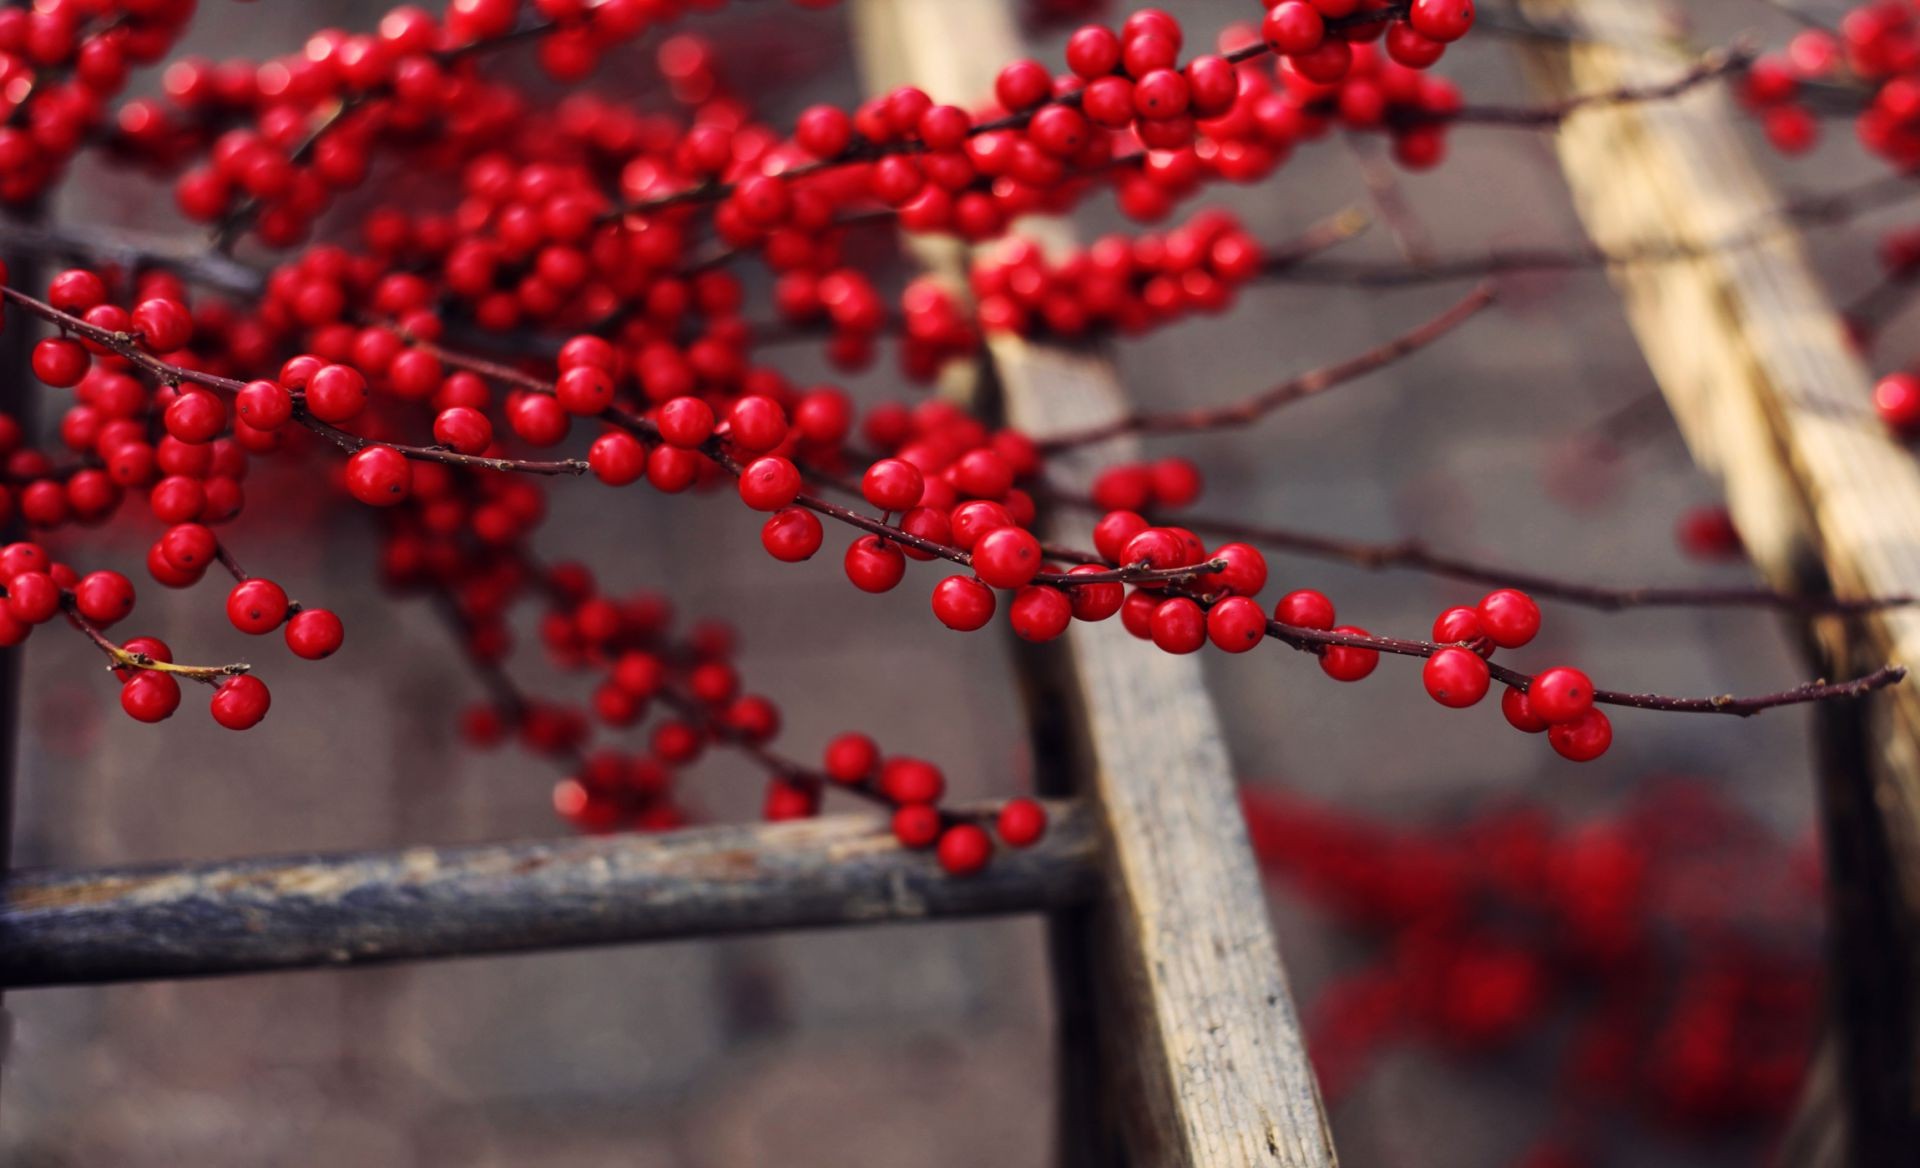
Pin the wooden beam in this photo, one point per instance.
(1198, 1043)
(240, 916)
(1771, 398)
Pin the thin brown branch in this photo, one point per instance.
(125, 659)
(1309, 384)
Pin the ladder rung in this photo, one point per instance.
(239, 916)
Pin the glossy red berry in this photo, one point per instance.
(1519, 711)
(964, 849)
(1582, 739)
(1305, 609)
(1897, 399)
(874, 564)
(963, 603)
(150, 696)
(256, 606)
(1293, 26)
(60, 362)
(911, 780)
(1007, 557)
(1236, 624)
(1560, 694)
(686, 422)
(1456, 678)
(916, 826)
(336, 393)
(264, 405)
(1021, 823)
(463, 429)
(892, 484)
(1510, 617)
(792, 534)
(314, 633)
(1179, 625)
(1441, 20)
(617, 458)
(1457, 625)
(851, 758)
(103, 597)
(241, 702)
(32, 597)
(1349, 662)
(1039, 613)
(379, 476)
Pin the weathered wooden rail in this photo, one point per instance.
(1756, 368)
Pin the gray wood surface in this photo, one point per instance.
(192, 920)
(1200, 1048)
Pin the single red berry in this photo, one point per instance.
(1519, 711)
(256, 606)
(686, 421)
(314, 633)
(336, 393)
(189, 547)
(164, 325)
(32, 597)
(1458, 625)
(60, 362)
(1179, 625)
(1560, 694)
(1584, 738)
(196, 416)
(1293, 26)
(964, 849)
(584, 390)
(264, 405)
(892, 484)
(916, 826)
(1007, 557)
(756, 423)
(1305, 609)
(1246, 570)
(1510, 617)
(379, 476)
(851, 758)
(150, 696)
(911, 780)
(1236, 624)
(1441, 20)
(1023, 85)
(1095, 602)
(1456, 678)
(617, 458)
(792, 534)
(1093, 51)
(875, 565)
(963, 603)
(241, 702)
(1039, 613)
(1896, 397)
(1349, 662)
(104, 597)
(462, 428)
(1021, 823)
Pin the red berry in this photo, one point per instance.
(1007, 557)
(1584, 738)
(1179, 625)
(241, 702)
(964, 849)
(756, 423)
(911, 780)
(60, 362)
(617, 458)
(164, 325)
(463, 428)
(1457, 625)
(875, 565)
(1349, 662)
(1236, 624)
(264, 405)
(1441, 20)
(32, 597)
(584, 390)
(1456, 678)
(851, 758)
(336, 393)
(1560, 694)
(150, 696)
(1519, 711)
(256, 606)
(1293, 26)
(1510, 617)
(892, 484)
(686, 422)
(1095, 602)
(103, 597)
(916, 826)
(1039, 613)
(792, 534)
(379, 476)
(314, 633)
(963, 603)
(1021, 823)
(1896, 397)
(1305, 609)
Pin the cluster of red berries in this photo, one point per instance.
(1696, 1001)
(639, 668)
(1557, 702)
(1125, 284)
(61, 61)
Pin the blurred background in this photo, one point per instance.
(1525, 439)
